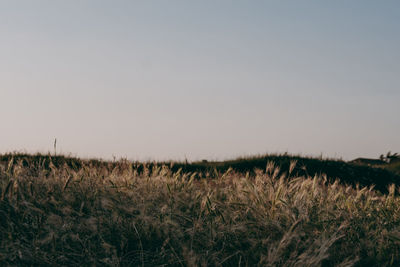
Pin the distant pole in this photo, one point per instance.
(55, 147)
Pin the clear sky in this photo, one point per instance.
(200, 79)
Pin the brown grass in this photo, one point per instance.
(117, 217)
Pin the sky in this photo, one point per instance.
(158, 80)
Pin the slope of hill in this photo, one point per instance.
(333, 169)
(393, 167)
(346, 173)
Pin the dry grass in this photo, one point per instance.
(98, 215)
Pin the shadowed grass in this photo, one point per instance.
(394, 167)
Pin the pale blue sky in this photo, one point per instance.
(200, 79)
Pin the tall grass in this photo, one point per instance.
(97, 215)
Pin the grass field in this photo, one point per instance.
(63, 211)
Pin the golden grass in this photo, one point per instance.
(118, 217)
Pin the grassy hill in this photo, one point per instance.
(63, 211)
(347, 173)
